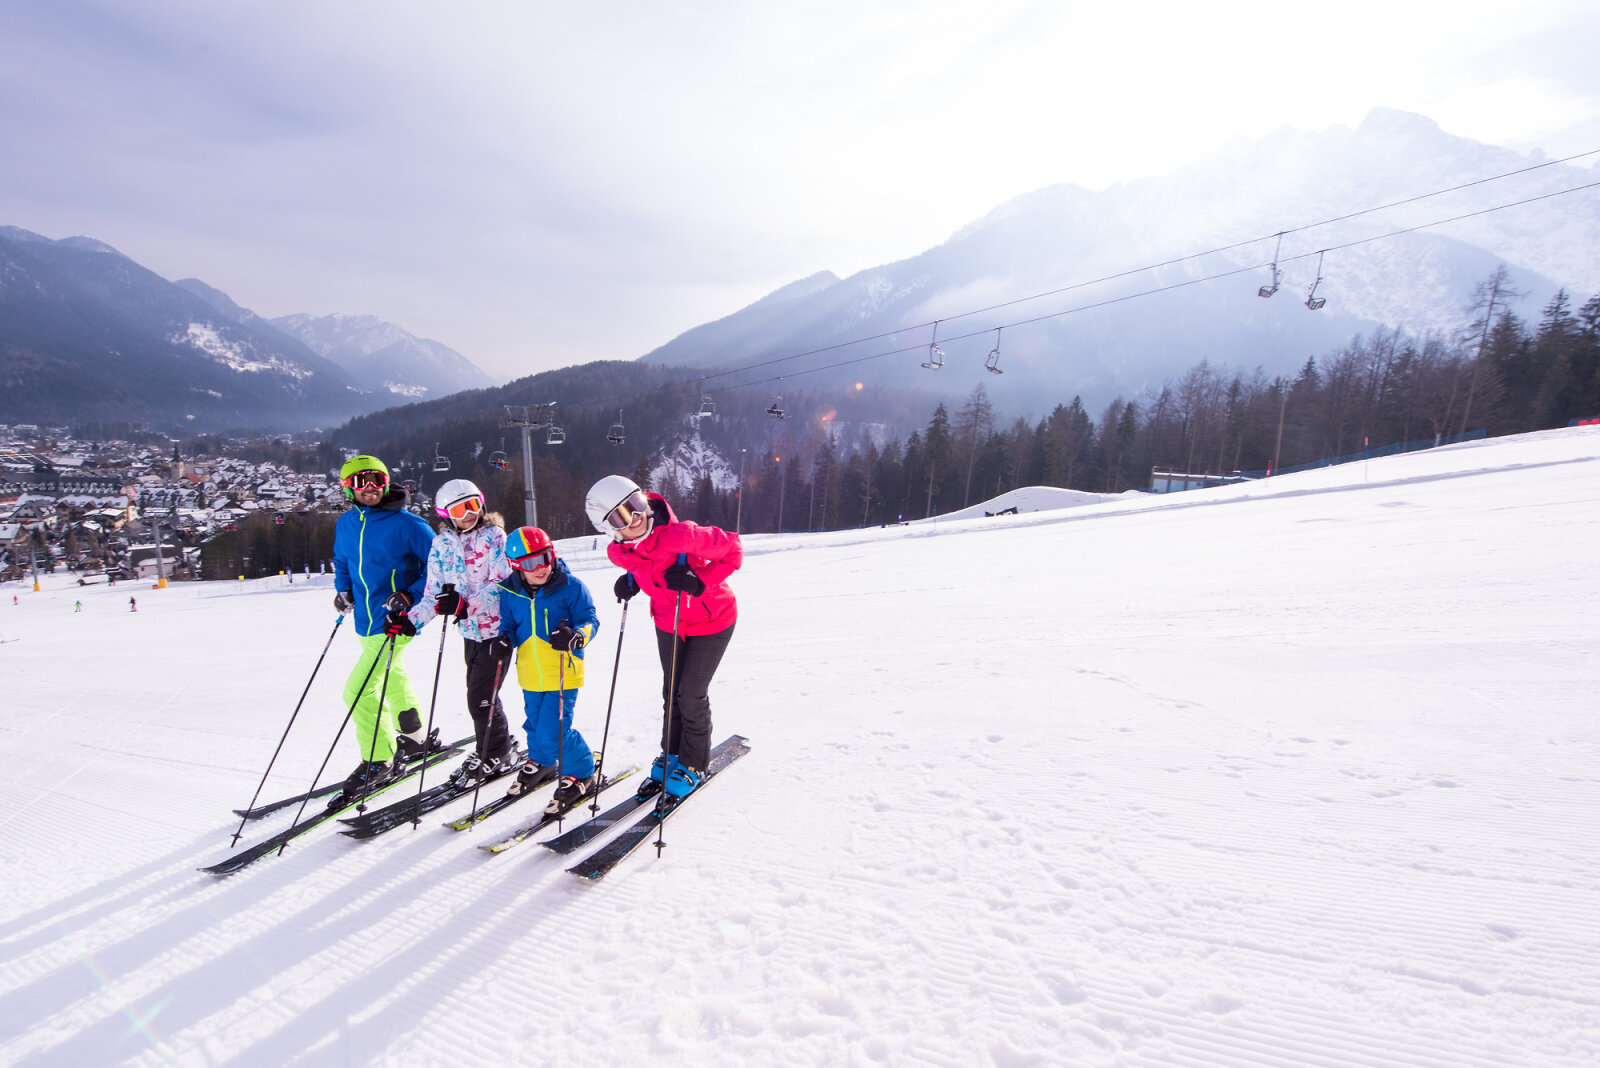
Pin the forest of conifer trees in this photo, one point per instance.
(1497, 375)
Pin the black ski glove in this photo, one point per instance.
(450, 603)
(500, 648)
(343, 602)
(399, 600)
(398, 624)
(565, 640)
(681, 577)
(626, 587)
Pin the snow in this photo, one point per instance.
(210, 341)
(1294, 772)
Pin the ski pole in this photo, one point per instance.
(494, 700)
(672, 700)
(561, 720)
(240, 832)
(391, 641)
(427, 733)
(605, 735)
(349, 714)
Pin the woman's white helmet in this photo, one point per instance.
(454, 491)
(607, 496)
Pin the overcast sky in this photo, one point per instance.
(540, 184)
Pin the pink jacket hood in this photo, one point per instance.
(712, 552)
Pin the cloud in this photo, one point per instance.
(539, 183)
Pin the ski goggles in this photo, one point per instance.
(534, 561)
(357, 479)
(633, 506)
(461, 509)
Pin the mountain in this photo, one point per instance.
(382, 356)
(1114, 325)
(87, 334)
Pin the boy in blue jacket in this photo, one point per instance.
(548, 616)
(380, 552)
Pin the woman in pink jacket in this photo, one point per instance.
(684, 569)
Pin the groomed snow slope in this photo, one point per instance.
(1304, 772)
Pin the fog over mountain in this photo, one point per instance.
(383, 356)
(1116, 325)
(88, 334)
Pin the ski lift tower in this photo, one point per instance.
(528, 418)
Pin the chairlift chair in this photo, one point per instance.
(992, 364)
(497, 459)
(555, 436)
(935, 358)
(1277, 275)
(1313, 301)
(441, 462)
(616, 435)
(775, 409)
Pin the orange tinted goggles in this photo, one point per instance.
(464, 507)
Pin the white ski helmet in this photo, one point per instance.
(453, 492)
(612, 498)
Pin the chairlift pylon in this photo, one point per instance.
(617, 435)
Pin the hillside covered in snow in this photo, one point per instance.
(1294, 772)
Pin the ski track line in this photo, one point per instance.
(130, 732)
(349, 953)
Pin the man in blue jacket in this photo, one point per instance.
(380, 554)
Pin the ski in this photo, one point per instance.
(246, 857)
(326, 791)
(608, 856)
(273, 806)
(487, 809)
(371, 824)
(553, 811)
(595, 826)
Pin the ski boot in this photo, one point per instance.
(683, 781)
(368, 777)
(407, 748)
(530, 778)
(571, 791)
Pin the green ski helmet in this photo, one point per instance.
(357, 465)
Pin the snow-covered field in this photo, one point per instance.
(1293, 773)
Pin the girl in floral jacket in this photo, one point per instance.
(469, 554)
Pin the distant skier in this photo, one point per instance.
(379, 550)
(133, 606)
(548, 614)
(77, 606)
(684, 569)
(469, 553)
